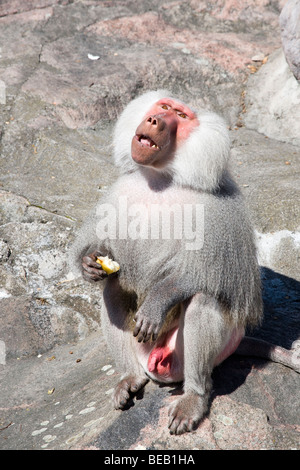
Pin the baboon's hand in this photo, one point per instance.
(91, 270)
(145, 327)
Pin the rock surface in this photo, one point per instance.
(289, 21)
(273, 101)
(67, 68)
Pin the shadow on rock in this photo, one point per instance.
(280, 326)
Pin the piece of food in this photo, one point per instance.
(108, 265)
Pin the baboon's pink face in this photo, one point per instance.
(166, 125)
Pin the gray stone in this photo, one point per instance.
(273, 101)
(40, 305)
(290, 33)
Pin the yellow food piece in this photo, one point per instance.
(107, 264)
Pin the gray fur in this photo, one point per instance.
(219, 283)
